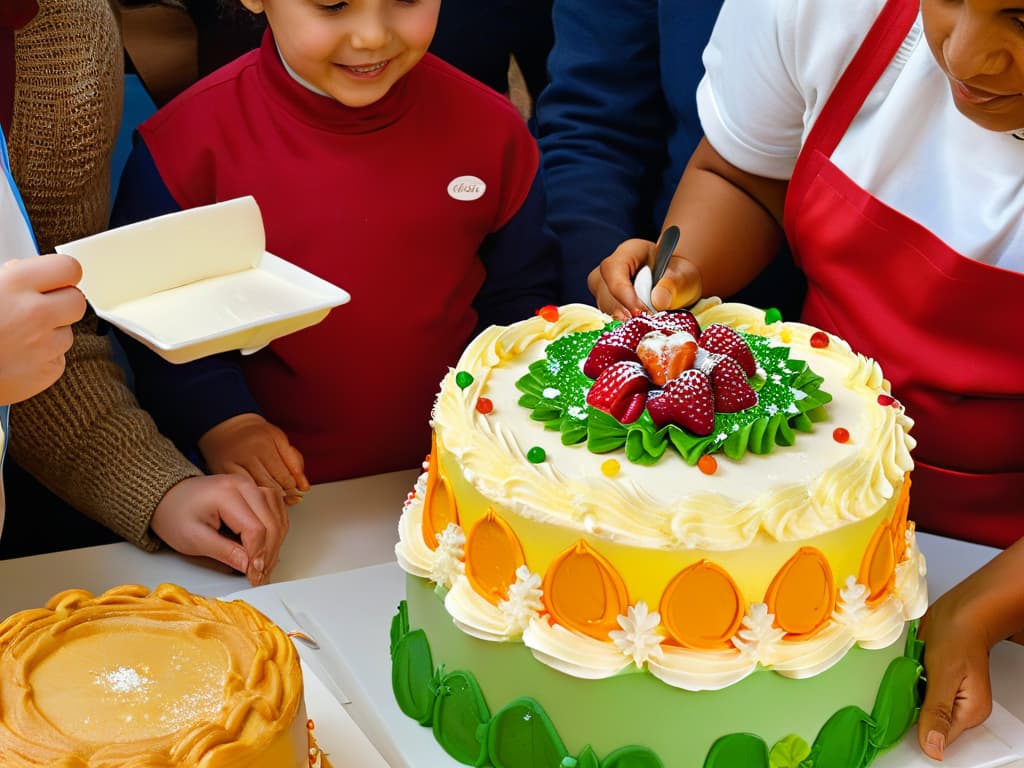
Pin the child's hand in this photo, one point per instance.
(191, 515)
(38, 305)
(250, 445)
(959, 693)
(612, 281)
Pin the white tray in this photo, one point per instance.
(355, 609)
(198, 282)
(337, 734)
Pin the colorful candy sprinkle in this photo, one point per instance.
(536, 455)
(886, 400)
(484, 405)
(463, 379)
(840, 435)
(549, 312)
(819, 339)
(610, 468)
(772, 315)
(707, 464)
(785, 336)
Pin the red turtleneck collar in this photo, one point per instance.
(323, 111)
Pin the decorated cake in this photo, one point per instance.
(681, 541)
(139, 678)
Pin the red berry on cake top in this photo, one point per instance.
(621, 391)
(687, 402)
(662, 350)
(723, 340)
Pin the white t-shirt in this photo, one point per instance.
(771, 66)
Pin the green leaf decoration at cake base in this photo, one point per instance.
(738, 749)
(587, 759)
(789, 752)
(915, 646)
(897, 704)
(844, 741)
(632, 757)
(461, 717)
(790, 400)
(412, 676)
(399, 626)
(522, 736)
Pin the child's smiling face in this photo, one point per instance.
(356, 50)
(979, 44)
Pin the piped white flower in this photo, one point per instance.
(757, 636)
(449, 555)
(852, 606)
(639, 637)
(523, 603)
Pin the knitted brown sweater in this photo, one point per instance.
(85, 437)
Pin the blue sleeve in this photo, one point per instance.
(521, 260)
(620, 102)
(185, 400)
(602, 125)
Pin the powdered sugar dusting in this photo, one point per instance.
(123, 680)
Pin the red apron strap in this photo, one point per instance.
(866, 67)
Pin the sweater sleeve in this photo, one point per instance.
(603, 127)
(189, 399)
(521, 261)
(86, 439)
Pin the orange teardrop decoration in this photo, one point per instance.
(899, 521)
(439, 507)
(802, 595)
(583, 591)
(702, 607)
(493, 553)
(878, 567)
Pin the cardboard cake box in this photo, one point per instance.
(199, 282)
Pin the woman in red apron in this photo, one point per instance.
(937, 311)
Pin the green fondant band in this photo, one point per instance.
(634, 720)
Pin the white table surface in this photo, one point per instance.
(352, 524)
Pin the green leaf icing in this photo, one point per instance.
(632, 757)
(789, 752)
(412, 676)
(897, 703)
(399, 625)
(915, 647)
(790, 400)
(844, 741)
(461, 717)
(521, 736)
(737, 749)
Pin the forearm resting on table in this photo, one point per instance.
(729, 221)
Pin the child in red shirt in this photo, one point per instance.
(379, 168)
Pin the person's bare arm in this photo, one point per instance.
(730, 224)
(958, 631)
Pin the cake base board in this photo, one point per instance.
(355, 608)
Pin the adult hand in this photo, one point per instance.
(249, 445)
(959, 693)
(39, 304)
(192, 515)
(611, 281)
